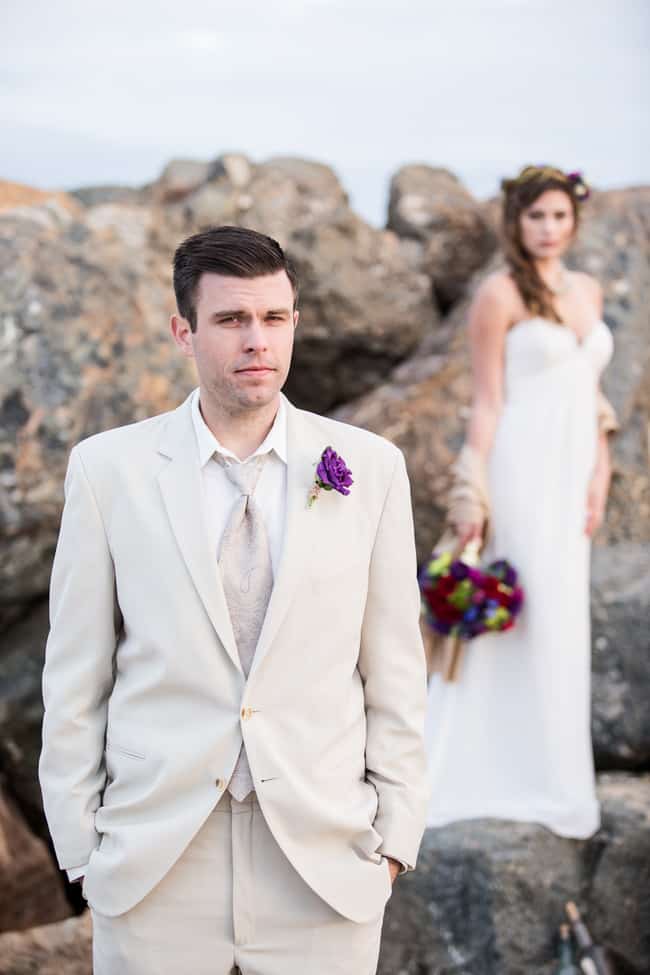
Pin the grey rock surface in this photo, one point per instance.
(488, 896)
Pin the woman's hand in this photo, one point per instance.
(596, 501)
(466, 533)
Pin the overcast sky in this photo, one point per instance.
(94, 92)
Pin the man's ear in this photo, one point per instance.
(296, 316)
(182, 334)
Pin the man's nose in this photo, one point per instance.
(255, 338)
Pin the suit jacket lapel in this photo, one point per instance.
(301, 524)
(182, 493)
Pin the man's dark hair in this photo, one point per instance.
(232, 251)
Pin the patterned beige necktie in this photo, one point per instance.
(247, 574)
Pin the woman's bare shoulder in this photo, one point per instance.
(588, 283)
(499, 286)
(497, 291)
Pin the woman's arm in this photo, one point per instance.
(607, 424)
(598, 486)
(490, 316)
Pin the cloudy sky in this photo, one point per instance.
(107, 92)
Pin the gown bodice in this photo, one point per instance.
(536, 345)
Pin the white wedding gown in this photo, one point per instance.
(511, 738)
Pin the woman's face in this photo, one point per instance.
(547, 225)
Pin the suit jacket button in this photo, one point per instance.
(220, 784)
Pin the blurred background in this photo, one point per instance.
(370, 140)
(109, 92)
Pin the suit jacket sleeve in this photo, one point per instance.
(393, 669)
(78, 674)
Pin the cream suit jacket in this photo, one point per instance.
(146, 703)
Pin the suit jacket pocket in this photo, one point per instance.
(113, 746)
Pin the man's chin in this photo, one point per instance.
(257, 397)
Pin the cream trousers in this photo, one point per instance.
(233, 904)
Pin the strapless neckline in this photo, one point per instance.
(539, 319)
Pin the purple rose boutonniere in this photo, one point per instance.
(332, 474)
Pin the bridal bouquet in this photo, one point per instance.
(461, 600)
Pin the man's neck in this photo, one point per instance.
(242, 431)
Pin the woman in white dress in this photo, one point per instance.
(510, 738)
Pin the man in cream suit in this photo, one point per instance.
(235, 683)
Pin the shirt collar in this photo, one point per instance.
(276, 438)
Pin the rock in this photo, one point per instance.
(91, 196)
(237, 167)
(621, 655)
(617, 871)
(54, 949)
(364, 307)
(423, 409)
(614, 245)
(288, 196)
(363, 310)
(432, 206)
(179, 178)
(84, 346)
(21, 711)
(32, 888)
(487, 896)
(17, 195)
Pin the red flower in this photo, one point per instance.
(446, 585)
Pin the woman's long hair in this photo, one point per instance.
(519, 194)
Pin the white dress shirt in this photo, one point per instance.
(220, 494)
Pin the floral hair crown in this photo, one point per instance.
(579, 187)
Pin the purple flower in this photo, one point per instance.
(459, 570)
(580, 188)
(332, 473)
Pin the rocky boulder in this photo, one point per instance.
(457, 236)
(364, 310)
(621, 655)
(53, 949)
(85, 298)
(84, 315)
(21, 711)
(364, 306)
(32, 888)
(488, 896)
(423, 409)
(614, 245)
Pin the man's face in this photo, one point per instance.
(243, 339)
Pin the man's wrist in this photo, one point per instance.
(398, 864)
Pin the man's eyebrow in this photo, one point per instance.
(279, 311)
(229, 313)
